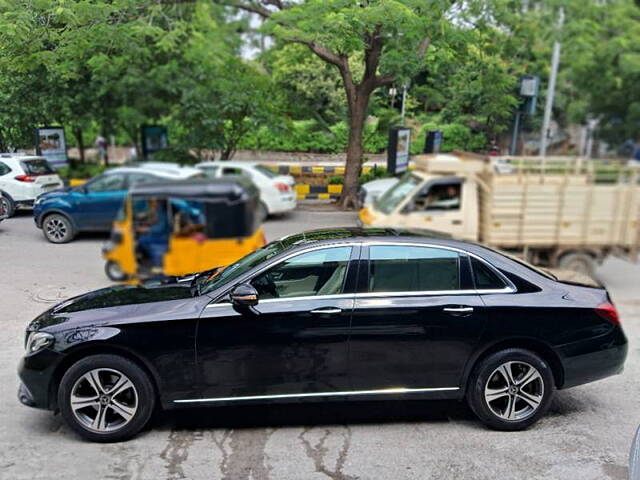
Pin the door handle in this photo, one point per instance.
(458, 311)
(326, 311)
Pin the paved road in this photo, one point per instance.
(586, 435)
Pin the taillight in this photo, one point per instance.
(25, 178)
(283, 187)
(608, 311)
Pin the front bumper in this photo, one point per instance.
(36, 373)
(594, 359)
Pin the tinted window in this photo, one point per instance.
(485, 277)
(233, 171)
(4, 168)
(107, 183)
(209, 172)
(412, 269)
(37, 166)
(321, 272)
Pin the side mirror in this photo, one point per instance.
(244, 295)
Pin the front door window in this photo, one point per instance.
(321, 272)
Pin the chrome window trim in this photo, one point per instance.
(510, 288)
(338, 296)
(432, 293)
(384, 391)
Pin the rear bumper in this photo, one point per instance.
(283, 204)
(594, 359)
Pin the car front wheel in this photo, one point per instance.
(511, 389)
(106, 398)
(58, 228)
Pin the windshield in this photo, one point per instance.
(390, 199)
(233, 271)
(266, 171)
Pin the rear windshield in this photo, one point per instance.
(266, 171)
(37, 166)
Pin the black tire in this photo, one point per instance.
(9, 205)
(495, 413)
(141, 394)
(57, 228)
(114, 272)
(263, 212)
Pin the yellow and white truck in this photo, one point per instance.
(559, 213)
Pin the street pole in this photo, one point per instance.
(551, 89)
(514, 136)
(404, 97)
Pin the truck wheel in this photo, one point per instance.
(577, 262)
(114, 272)
(58, 228)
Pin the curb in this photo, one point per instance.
(317, 192)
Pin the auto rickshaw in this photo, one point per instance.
(172, 229)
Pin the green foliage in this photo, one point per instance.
(374, 174)
(175, 155)
(336, 180)
(80, 170)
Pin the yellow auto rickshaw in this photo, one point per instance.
(177, 228)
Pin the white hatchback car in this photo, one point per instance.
(23, 178)
(277, 192)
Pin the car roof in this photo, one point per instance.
(227, 163)
(235, 187)
(170, 172)
(20, 156)
(356, 234)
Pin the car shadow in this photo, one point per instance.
(314, 414)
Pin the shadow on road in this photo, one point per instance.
(291, 415)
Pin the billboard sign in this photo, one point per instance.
(398, 150)
(154, 139)
(51, 144)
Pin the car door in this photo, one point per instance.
(6, 179)
(98, 203)
(294, 344)
(416, 319)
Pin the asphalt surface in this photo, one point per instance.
(586, 435)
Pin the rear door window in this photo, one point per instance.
(37, 166)
(401, 268)
(4, 169)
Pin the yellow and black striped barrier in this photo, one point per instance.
(317, 192)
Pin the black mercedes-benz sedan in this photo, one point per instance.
(344, 314)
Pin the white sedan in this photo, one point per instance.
(277, 192)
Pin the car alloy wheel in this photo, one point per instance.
(514, 391)
(57, 229)
(104, 400)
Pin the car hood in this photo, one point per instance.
(60, 192)
(120, 302)
(381, 185)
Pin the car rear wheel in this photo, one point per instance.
(114, 272)
(511, 389)
(106, 398)
(7, 205)
(58, 228)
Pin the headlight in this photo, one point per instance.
(38, 341)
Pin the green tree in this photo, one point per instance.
(372, 44)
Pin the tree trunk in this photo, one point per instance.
(77, 132)
(357, 116)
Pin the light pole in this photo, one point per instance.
(551, 89)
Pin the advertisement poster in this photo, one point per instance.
(398, 150)
(51, 145)
(154, 138)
